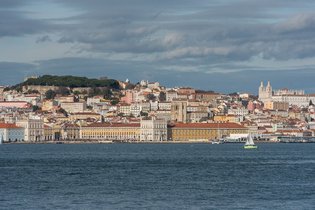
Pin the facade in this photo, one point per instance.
(286, 91)
(265, 93)
(65, 99)
(93, 100)
(15, 104)
(135, 109)
(152, 129)
(197, 116)
(48, 105)
(171, 95)
(292, 97)
(33, 128)
(179, 111)
(124, 109)
(226, 118)
(52, 132)
(70, 132)
(111, 131)
(128, 97)
(298, 100)
(165, 106)
(276, 105)
(73, 107)
(238, 111)
(10, 132)
(203, 131)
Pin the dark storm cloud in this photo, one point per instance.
(230, 30)
(136, 71)
(12, 73)
(167, 37)
(15, 23)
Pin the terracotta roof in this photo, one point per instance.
(85, 113)
(8, 125)
(100, 125)
(17, 102)
(208, 125)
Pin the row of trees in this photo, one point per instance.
(71, 81)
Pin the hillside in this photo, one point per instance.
(68, 81)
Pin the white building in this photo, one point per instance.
(293, 97)
(298, 100)
(10, 132)
(124, 109)
(238, 111)
(135, 109)
(170, 95)
(33, 128)
(73, 107)
(93, 100)
(152, 129)
(265, 93)
(165, 105)
(154, 105)
(145, 106)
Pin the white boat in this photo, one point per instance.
(220, 141)
(250, 143)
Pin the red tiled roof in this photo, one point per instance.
(85, 113)
(8, 125)
(208, 125)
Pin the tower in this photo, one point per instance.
(179, 111)
(265, 93)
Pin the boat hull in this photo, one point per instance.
(250, 146)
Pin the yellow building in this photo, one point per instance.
(225, 118)
(276, 105)
(203, 131)
(107, 131)
(48, 105)
(52, 132)
(70, 131)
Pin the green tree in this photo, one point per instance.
(50, 94)
(35, 108)
(151, 97)
(114, 101)
(143, 114)
(162, 96)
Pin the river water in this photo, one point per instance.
(157, 176)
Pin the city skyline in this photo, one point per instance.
(225, 46)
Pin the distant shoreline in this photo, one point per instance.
(137, 142)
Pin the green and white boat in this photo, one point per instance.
(250, 143)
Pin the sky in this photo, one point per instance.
(221, 45)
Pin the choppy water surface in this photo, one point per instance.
(157, 176)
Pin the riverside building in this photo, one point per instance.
(203, 131)
(153, 129)
(10, 132)
(111, 131)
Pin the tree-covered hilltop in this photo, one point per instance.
(71, 81)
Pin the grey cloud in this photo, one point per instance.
(15, 23)
(12, 72)
(45, 38)
(240, 80)
(195, 36)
